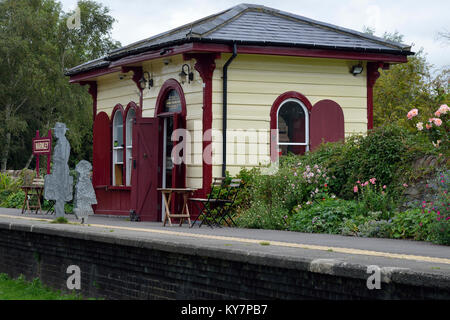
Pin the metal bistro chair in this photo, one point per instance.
(208, 206)
(232, 192)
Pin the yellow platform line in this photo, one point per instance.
(272, 243)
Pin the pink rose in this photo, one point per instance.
(412, 113)
(437, 121)
(443, 109)
(355, 189)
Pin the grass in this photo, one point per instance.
(61, 220)
(20, 289)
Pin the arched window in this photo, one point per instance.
(172, 102)
(117, 145)
(293, 127)
(131, 115)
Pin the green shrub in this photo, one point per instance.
(375, 229)
(9, 184)
(262, 216)
(14, 200)
(411, 224)
(439, 211)
(327, 216)
(374, 197)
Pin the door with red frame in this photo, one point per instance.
(145, 167)
(172, 155)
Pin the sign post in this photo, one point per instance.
(42, 146)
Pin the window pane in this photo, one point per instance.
(129, 129)
(131, 115)
(286, 149)
(118, 130)
(173, 102)
(291, 123)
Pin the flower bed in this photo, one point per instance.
(354, 188)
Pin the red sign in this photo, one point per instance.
(42, 146)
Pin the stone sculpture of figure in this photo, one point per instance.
(84, 192)
(59, 185)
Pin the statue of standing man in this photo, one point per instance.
(59, 185)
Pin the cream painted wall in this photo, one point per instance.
(255, 81)
(111, 91)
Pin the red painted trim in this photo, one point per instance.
(300, 52)
(116, 108)
(170, 84)
(372, 76)
(138, 112)
(153, 55)
(243, 49)
(133, 105)
(273, 113)
(137, 75)
(93, 92)
(92, 74)
(205, 65)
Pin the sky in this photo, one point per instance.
(419, 21)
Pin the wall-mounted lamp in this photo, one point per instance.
(144, 80)
(356, 69)
(186, 72)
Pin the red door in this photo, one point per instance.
(326, 123)
(144, 177)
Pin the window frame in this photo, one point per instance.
(117, 108)
(306, 112)
(124, 147)
(274, 155)
(128, 160)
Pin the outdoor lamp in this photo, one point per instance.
(356, 69)
(183, 74)
(143, 81)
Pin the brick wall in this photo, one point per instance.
(120, 268)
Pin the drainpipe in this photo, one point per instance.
(224, 109)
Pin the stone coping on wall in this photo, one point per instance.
(414, 273)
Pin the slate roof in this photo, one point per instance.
(256, 25)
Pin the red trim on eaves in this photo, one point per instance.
(300, 52)
(92, 74)
(196, 47)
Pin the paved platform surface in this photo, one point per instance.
(416, 256)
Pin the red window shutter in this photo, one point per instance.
(326, 123)
(101, 157)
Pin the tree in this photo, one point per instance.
(406, 86)
(35, 48)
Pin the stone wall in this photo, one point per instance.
(116, 267)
